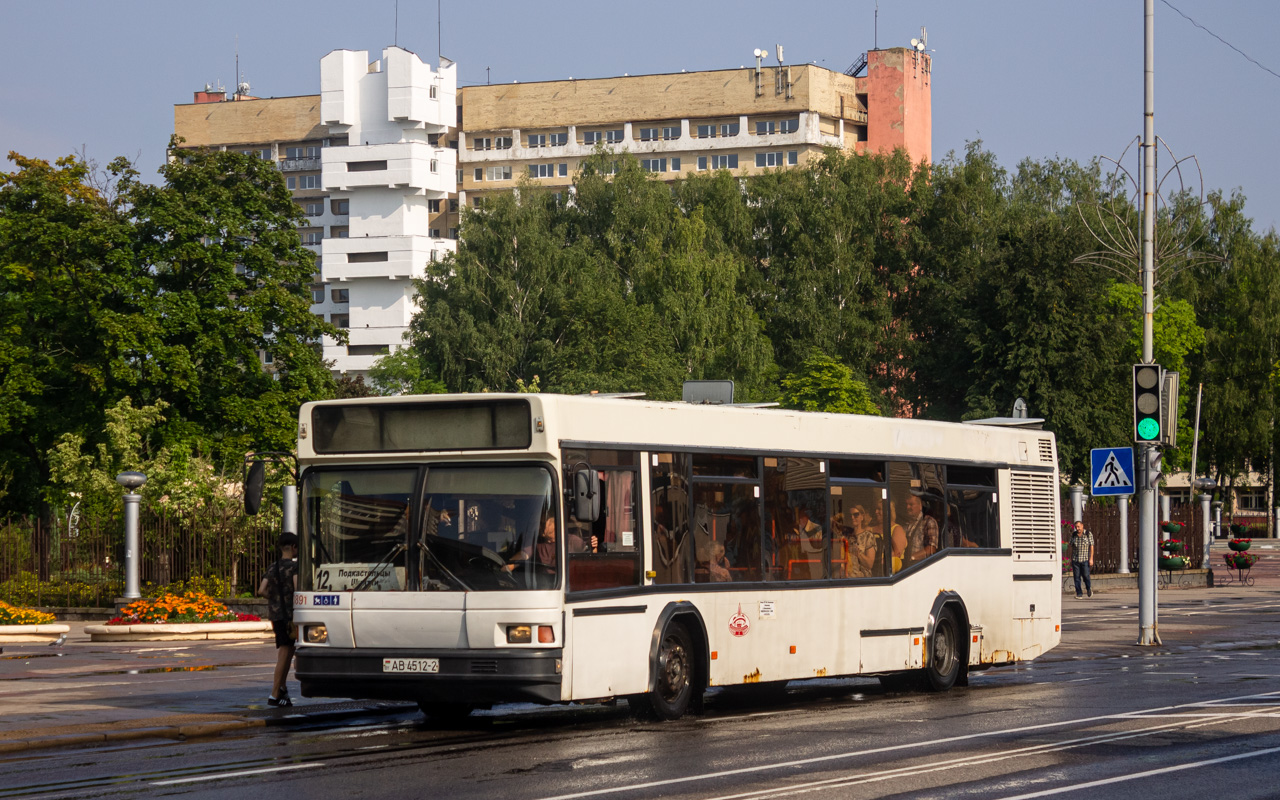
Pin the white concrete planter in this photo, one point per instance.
(165, 632)
(32, 633)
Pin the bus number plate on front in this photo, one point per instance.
(410, 665)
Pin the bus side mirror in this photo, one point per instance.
(586, 495)
(255, 479)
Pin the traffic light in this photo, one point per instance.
(1153, 473)
(1147, 423)
(1169, 409)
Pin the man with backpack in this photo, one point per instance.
(278, 586)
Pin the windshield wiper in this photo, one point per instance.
(373, 573)
(435, 559)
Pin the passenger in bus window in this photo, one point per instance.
(897, 536)
(863, 544)
(718, 565)
(921, 531)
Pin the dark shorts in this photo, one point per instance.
(285, 632)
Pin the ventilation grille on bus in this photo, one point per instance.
(1035, 512)
(484, 666)
(1046, 451)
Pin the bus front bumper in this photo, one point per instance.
(465, 676)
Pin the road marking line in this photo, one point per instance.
(912, 745)
(1147, 774)
(239, 774)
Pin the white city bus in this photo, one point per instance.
(466, 550)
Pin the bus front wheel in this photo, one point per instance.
(943, 667)
(673, 674)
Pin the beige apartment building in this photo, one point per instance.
(746, 120)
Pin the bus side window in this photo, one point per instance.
(617, 556)
(669, 527)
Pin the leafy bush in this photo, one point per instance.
(212, 586)
(25, 590)
(12, 615)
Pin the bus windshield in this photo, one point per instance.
(467, 528)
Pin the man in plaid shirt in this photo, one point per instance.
(1081, 558)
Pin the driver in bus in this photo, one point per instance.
(543, 552)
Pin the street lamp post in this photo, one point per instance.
(131, 481)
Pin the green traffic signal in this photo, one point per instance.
(1148, 429)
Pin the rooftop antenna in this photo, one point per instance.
(237, 80)
(876, 38)
(439, 34)
(395, 40)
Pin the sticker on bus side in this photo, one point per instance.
(326, 600)
(739, 624)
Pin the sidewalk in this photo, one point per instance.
(87, 693)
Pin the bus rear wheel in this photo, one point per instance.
(673, 674)
(943, 667)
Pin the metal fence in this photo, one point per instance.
(1103, 520)
(83, 564)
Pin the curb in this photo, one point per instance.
(176, 632)
(192, 730)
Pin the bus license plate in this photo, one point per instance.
(410, 665)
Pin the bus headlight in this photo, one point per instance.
(519, 634)
(315, 634)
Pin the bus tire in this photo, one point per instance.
(674, 674)
(943, 667)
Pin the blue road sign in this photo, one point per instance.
(1112, 470)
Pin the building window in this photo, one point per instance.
(764, 128)
(340, 207)
(649, 134)
(671, 132)
(317, 295)
(435, 166)
(340, 295)
(433, 139)
(729, 129)
(431, 92)
(268, 357)
(459, 180)
(537, 140)
(613, 137)
(591, 138)
(475, 202)
(366, 166)
(498, 173)
(453, 204)
(675, 165)
(433, 206)
(314, 209)
(543, 170)
(502, 143)
(653, 164)
(769, 159)
(308, 181)
(367, 258)
(340, 320)
(312, 237)
(435, 256)
(558, 139)
(434, 233)
(479, 173)
(293, 152)
(702, 163)
(724, 162)
(793, 157)
(563, 170)
(453, 233)
(368, 349)
(265, 155)
(1251, 499)
(789, 125)
(723, 129)
(291, 183)
(482, 143)
(339, 232)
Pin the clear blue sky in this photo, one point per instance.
(1031, 78)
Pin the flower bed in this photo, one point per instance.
(1239, 545)
(175, 608)
(1171, 546)
(18, 625)
(1172, 528)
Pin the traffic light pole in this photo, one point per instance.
(1148, 633)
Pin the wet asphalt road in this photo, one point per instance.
(1098, 716)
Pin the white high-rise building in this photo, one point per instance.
(391, 179)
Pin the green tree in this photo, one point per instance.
(401, 372)
(824, 384)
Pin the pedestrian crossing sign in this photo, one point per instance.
(1112, 470)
